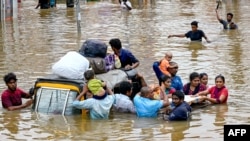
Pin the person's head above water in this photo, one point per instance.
(194, 25)
(229, 17)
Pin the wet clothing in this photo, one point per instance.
(123, 104)
(195, 35)
(99, 109)
(126, 57)
(216, 93)
(164, 64)
(226, 25)
(181, 112)
(188, 91)
(176, 81)
(157, 71)
(170, 90)
(13, 98)
(146, 107)
(95, 86)
(124, 6)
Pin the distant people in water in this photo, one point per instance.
(125, 4)
(195, 34)
(45, 4)
(229, 24)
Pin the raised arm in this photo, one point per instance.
(217, 15)
(84, 91)
(180, 35)
(165, 98)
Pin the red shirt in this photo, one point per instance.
(224, 92)
(10, 98)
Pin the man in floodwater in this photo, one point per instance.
(195, 34)
(12, 97)
(229, 24)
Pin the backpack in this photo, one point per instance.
(97, 64)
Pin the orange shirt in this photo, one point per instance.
(164, 64)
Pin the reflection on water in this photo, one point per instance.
(38, 38)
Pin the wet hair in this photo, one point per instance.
(124, 87)
(231, 14)
(179, 94)
(144, 91)
(193, 75)
(194, 23)
(203, 74)
(8, 77)
(164, 78)
(172, 63)
(220, 76)
(115, 43)
(89, 74)
(116, 88)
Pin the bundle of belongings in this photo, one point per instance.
(100, 61)
(92, 55)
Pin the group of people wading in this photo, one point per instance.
(146, 103)
(149, 100)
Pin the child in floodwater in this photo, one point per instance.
(164, 63)
(95, 86)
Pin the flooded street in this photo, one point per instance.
(33, 42)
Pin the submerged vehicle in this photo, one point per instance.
(55, 95)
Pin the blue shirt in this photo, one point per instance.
(226, 25)
(99, 109)
(146, 107)
(195, 35)
(126, 58)
(182, 112)
(177, 83)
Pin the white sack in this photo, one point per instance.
(71, 66)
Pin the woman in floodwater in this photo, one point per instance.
(219, 93)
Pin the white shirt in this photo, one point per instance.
(123, 104)
(128, 4)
